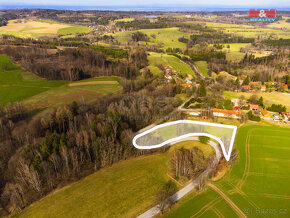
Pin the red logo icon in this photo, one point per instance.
(262, 13)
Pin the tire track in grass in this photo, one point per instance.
(207, 207)
(244, 195)
(277, 196)
(238, 211)
(247, 163)
(217, 212)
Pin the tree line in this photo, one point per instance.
(76, 63)
(39, 154)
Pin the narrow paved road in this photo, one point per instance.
(185, 190)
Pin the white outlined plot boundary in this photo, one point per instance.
(227, 154)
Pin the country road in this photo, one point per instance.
(185, 190)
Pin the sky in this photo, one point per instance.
(194, 3)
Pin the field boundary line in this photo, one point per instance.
(94, 83)
(238, 211)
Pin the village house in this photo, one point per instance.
(263, 89)
(246, 87)
(265, 113)
(236, 108)
(254, 107)
(255, 85)
(226, 113)
(286, 115)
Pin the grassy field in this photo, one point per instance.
(73, 30)
(156, 59)
(269, 98)
(125, 20)
(19, 85)
(202, 67)
(280, 24)
(248, 30)
(36, 28)
(166, 37)
(257, 183)
(233, 52)
(125, 189)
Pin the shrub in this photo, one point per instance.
(203, 139)
(252, 117)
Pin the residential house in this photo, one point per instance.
(255, 85)
(226, 113)
(246, 87)
(167, 76)
(254, 107)
(263, 89)
(236, 108)
(265, 113)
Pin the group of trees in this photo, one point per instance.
(139, 36)
(277, 108)
(187, 162)
(37, 155)
(75, 64)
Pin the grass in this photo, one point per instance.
(125, 20)
(233, 53)
(269, 98)
(35, 92)
(74, 30)
(248, 30)
(125, 189)
(258, 180)
(280, 24)
(36, 28)
(156, 59)
(166, 37)
(17, 85)
(202, 67)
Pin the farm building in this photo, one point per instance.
(255, 83)
(167, 76)
(226, 113)
(265, 113)
(246, 87)
(254, 107)
(263, 89)
(236, 108)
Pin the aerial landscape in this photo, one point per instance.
(132, 110)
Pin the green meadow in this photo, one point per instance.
(125, 189)
(17, 84)
(233, 51)
(125, 20)
(35, 28)
(156, 59)
(73, 30)
(257, 181)
(166, 37)
(269, 98)
(202, 67)
(249, 30)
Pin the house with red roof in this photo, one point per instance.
(226, 113)
(236, 108)
(246, 87)
(254, 107)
